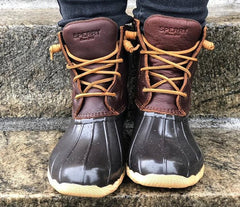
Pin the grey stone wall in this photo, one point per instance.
(217, 83)
(33, 86)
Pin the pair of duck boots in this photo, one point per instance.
(90, 159)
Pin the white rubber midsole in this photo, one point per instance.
(84, 190)
(164, 181)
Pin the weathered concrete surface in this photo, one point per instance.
(23, 181)
(23, 4)
(39, 124)
(33, 86)
(30, 17)
(217, 83)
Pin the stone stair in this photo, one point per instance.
(24, 156)
(35, 110)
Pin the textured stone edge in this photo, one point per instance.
(42, 124)
(123, 200)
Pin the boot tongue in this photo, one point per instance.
(170, 33)
(90, 39)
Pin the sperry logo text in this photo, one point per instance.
(173, 30)
(88, 35)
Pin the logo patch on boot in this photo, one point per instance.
(176, 31)
(88, 35)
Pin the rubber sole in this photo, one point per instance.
(164, 181)
(92, 191)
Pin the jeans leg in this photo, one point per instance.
(191, 9)
(72, 10)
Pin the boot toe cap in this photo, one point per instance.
(164, 145)
(85, 155)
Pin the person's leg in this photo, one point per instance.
(72, 10)
(192, 9)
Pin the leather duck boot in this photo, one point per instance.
(163, 152)
(88, 160)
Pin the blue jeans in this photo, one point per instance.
(72, 10)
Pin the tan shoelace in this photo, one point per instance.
(82, 64)
(155, 53)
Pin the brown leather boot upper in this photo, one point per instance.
(176, 40)
(95, 39)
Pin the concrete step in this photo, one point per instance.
(33, 86)
(24, 156)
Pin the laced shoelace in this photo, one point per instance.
(82, 65)
(155, 53)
